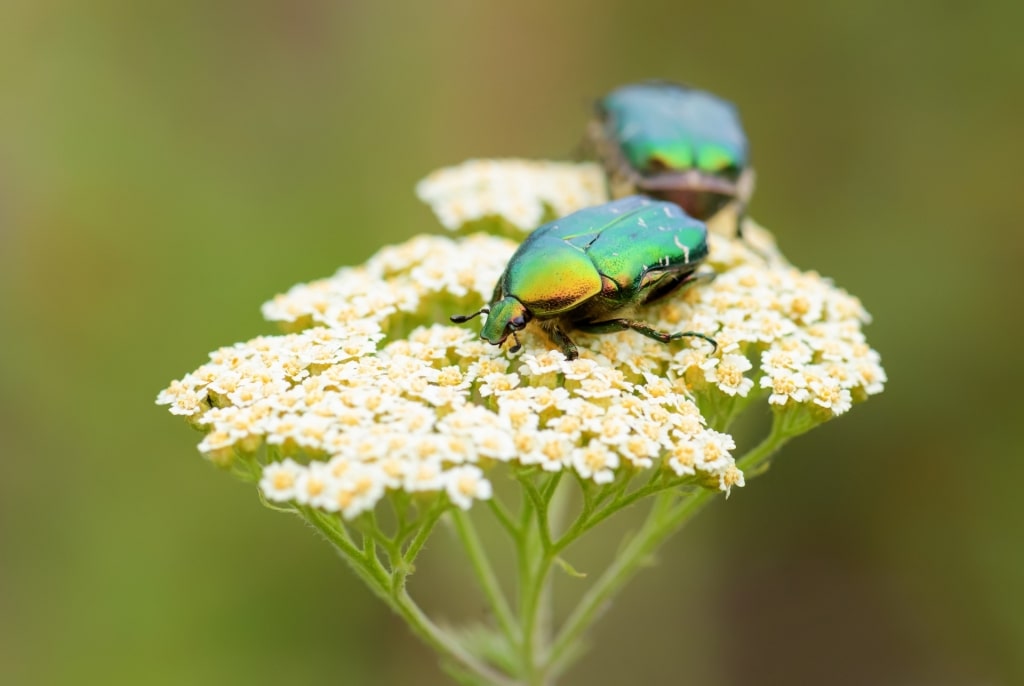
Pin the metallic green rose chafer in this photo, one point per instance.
(580, 271)
(675, 143)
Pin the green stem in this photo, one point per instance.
(755, 462)
(370, 570)
(530, 615)
(525, 545)
(538, 557)
(541, 658)
(551, 486)
(426, 527)
(485, 574)
(441, 641)
(557, 501)
(664, 519)
(391, 588)
(615, 490)
(540, 507)
(503, 517)
(588, 520)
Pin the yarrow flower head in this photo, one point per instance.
(371, 392)
(372, 416)
(510, 196)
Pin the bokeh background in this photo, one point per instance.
(165, 167)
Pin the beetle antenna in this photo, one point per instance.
(460, 318)
(518, 346)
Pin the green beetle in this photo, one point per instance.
(579, 271)
(674, 143)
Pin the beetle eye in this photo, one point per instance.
(518, 322)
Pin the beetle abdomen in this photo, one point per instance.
(658, 239)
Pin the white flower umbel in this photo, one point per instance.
(372, 416)
(512, 197)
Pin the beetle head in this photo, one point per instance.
(507, 316)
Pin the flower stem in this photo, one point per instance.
(668, 514)
(485, 574)
(557, 504)
(441, 641)
(369, 570)
(755, 462)
(542, 659)
(531, 615)
(665, 518)
(426, 527)
(390, 587)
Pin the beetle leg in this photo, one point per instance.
(702, 277)
(741, 215)
(561, 339)
(611, 325)
(669, 286)
(745, 189)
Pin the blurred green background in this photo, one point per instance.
(166, 167)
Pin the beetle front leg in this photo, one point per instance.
(611, 325)
(741, 215)
(561, 339)
(745, 189)
(703, 277)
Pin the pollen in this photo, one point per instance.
(314, 487)
(449, 376)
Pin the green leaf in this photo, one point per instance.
(569, 569)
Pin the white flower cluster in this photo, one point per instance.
(523, 193)
(801, 333)
(371, 393)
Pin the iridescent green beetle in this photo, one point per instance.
(675, 143)
(579, 271)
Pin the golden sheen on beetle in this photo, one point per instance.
(578, 272)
